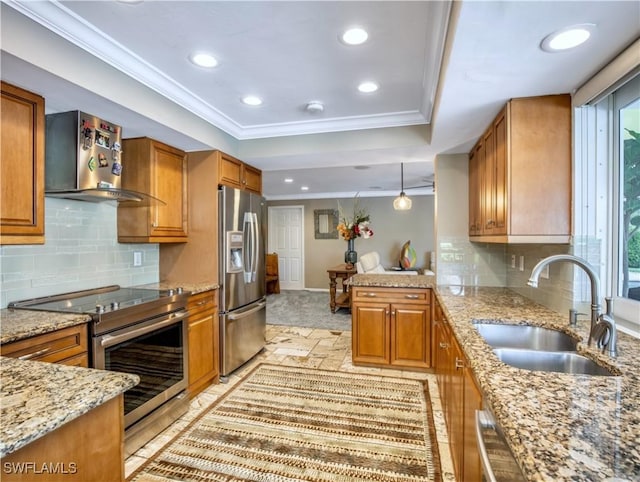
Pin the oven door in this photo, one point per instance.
(156, 351)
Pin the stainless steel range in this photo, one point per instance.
(138, 331)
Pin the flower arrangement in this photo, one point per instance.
(357, 225)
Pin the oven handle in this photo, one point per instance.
(109, 340)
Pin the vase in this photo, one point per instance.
(350, 255)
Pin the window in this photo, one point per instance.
(607, 197)
(627, 189)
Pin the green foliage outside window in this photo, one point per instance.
(631, 207)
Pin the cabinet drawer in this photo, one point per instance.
(396, 295)
(201, 303)
(51, 347)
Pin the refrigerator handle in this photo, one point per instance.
(247, 236)
(256, 243)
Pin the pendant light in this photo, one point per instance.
(402, 202)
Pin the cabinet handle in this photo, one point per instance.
(490, 223)
(201, 302)
(459, 363)
(444, 345)
(29, 356)
(369, 295)
(412, 297)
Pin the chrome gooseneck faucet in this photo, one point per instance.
(601, 324)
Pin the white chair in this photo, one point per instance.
(369, 263)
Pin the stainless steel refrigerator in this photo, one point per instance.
(243, 315)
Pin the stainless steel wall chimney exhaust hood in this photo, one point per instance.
(83, 160)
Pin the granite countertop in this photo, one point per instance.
(37, 398)
(560, 427)
(392, 280)
(20, 324)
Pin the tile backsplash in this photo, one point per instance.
(81, 252)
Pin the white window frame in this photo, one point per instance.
(597, 180)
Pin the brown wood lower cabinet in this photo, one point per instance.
(68, 346)
(391, 327)
(203, 341)
(460, 397)
(89, 448)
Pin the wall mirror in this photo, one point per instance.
(326, 222)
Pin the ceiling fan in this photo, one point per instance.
(430, 182)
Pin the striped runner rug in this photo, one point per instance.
(287, 424)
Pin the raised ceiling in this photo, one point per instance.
(289, 54)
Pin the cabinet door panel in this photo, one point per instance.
(201, 356)
(500, 171)
(371, 342)
(471, 467)
(456, 414)
(410, 335)
(489, 188)
(169, 167)
(474, 192)
(252, 179)
(229, 171)
(21, 167)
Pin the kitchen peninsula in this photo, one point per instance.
(58, 420)
(559, 427)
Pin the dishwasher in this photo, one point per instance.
(498, 463)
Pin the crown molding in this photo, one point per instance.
(57, 18)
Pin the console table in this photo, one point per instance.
(342, 300)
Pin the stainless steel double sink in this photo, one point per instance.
(538, 349)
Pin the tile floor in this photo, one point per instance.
(308, 347)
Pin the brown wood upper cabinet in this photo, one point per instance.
(21, 166)
(235, 173)
(154, 168)
(520, 174)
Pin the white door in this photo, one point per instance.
(286, 238)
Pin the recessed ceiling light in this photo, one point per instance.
(202, 59)
(304, 188)
(567, 38)
(368, 87)
(288, 180)
(252, 100)
(355, 36)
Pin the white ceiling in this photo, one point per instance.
(289, 54)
